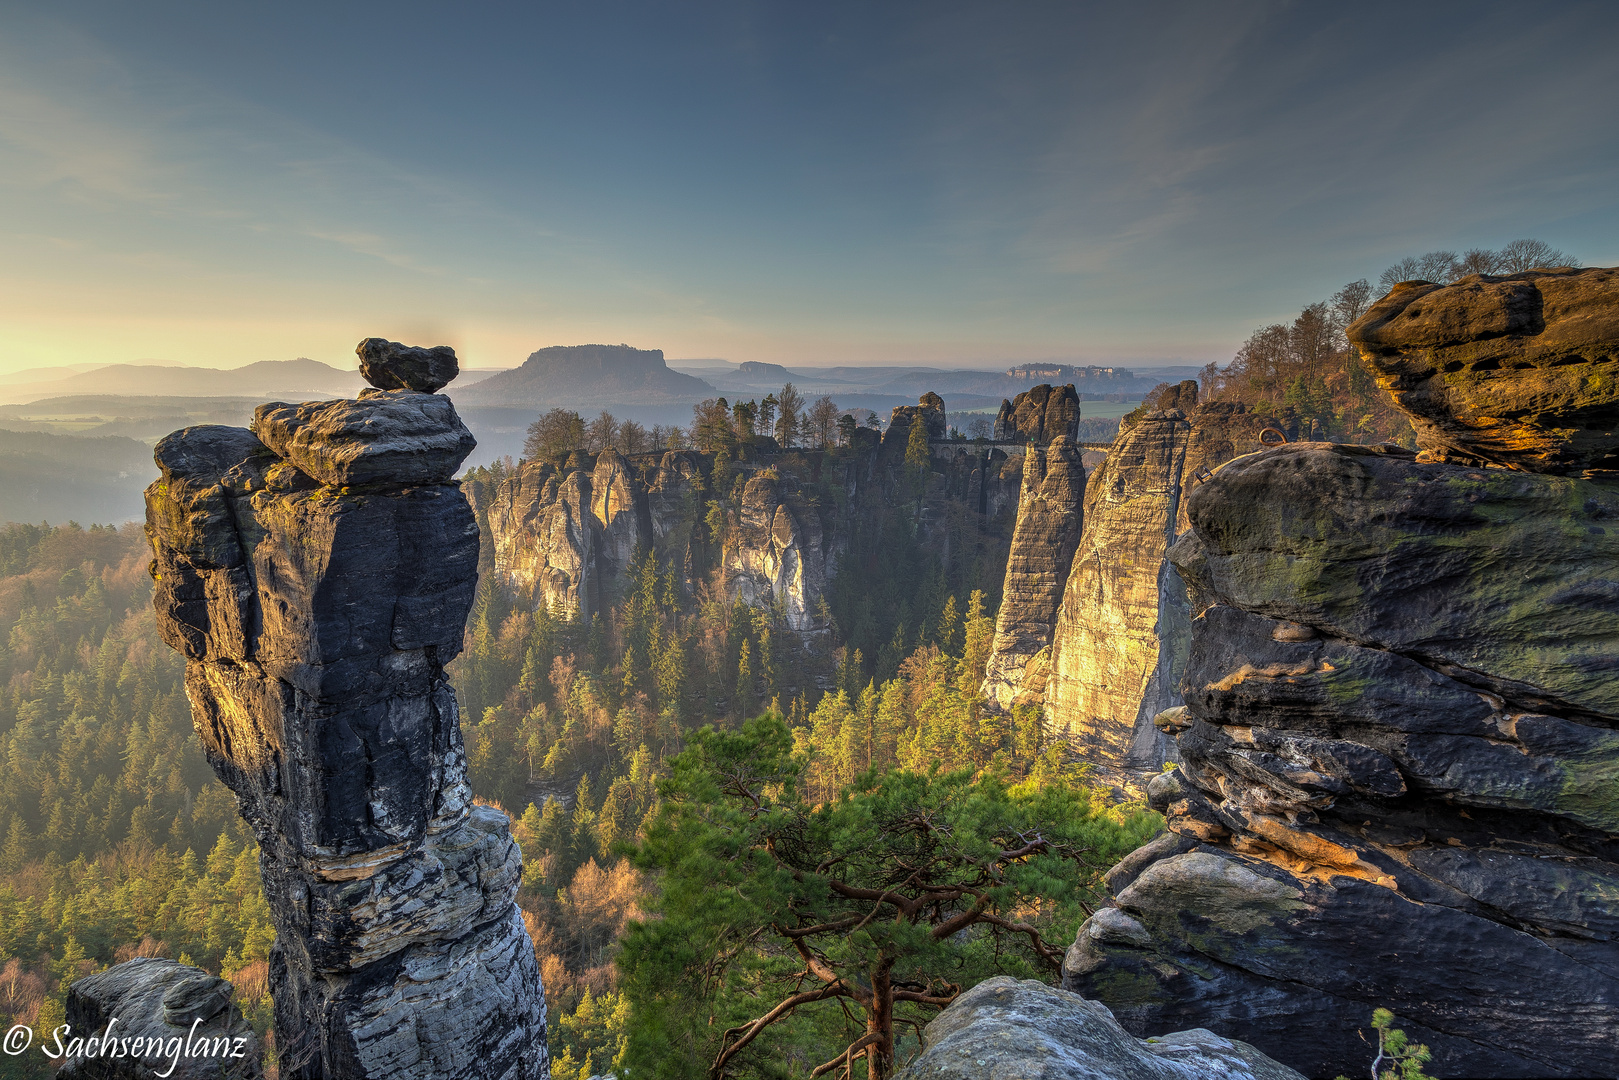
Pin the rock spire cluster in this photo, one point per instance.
(1400, 739)
(316, 571)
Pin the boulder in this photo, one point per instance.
(154, 1017)
(398, 437)
(388, 365)
(1521, 370)
(1025, 1030)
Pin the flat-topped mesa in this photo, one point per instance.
(1521, 371)
(317, 578)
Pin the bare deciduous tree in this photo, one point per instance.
(633, 438)
(554, 435)
(601, 432)
(820, 424)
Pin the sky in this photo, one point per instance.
(954, 184)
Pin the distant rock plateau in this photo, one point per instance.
(582, 376)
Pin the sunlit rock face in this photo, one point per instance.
(316, 608)
(1043, 542)
(1122, 631)
(566, 537)
(777, 553)
(1400, 771)
(1521, 371)
(1039, 415)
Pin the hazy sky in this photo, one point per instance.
(218, 183)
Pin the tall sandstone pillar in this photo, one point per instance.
(1123, 628)
(1043, 541)
(316, 572)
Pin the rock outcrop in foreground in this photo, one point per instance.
(152, 1017)
(317, 577)
(1120, 635)
(1027, 1030)
(1400, 778)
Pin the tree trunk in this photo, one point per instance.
(880, 1023)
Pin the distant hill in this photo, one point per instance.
(265, 379)
(579, 376)
(754, 369)
(57, 478)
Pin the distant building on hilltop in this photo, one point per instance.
(1067, 373)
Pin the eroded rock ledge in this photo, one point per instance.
(317, 577)
(1400, 784)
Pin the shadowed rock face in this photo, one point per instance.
(1400, 778)
(316, 618)
(1004, 1027)
(1123, 629)
(178, 1022)
(389, 365)
(1521, 371)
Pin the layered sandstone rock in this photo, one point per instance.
(1039, 415)
(566, 537)
(1121, 634)
(153, 1017)
(1519, 370)
(1043, 543)
(1400, 778)
(777, 553)
(1005, 1027)
(316, 612)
